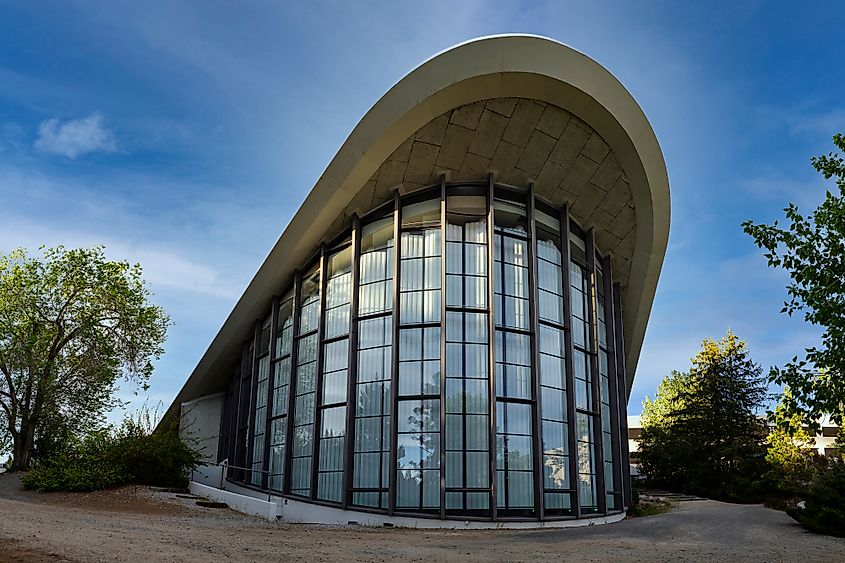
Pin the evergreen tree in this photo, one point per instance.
(702, 433)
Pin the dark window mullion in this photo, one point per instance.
(571, 427)
(622, 384)
(613, 392)
(394, 376)
(442, 396)
(318, 385)
(253, 384)
(271, 378)
(352, 365)
(491, 346)
(533, 301)
(598, 437)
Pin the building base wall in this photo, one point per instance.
(267, 509)
(289, 510)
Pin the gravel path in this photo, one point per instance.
(137, 524)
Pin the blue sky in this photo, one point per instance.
(185, 135)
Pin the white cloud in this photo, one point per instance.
(75, 137)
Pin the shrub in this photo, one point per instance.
(154, 458)
(130, 453)
(824, 510)
(82, 465)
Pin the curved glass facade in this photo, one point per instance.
(455, 354)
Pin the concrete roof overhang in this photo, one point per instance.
(507, 66)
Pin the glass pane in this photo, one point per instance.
(424, 214)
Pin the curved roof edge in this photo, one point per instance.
(523, 66)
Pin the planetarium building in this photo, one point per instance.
(449, 327)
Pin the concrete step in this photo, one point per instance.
(211, 504)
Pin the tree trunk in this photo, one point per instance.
(22, 448)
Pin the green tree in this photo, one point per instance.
(811, 249)
(72, 323)
(702, 433)
(791, 455)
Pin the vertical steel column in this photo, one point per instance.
(613, 384)
(253, 385)
(394, 376)
(222, 439)
(352, 366)
(594, 368)
(294, 376)
(318, 387)
(491, 343)
(566, 266)
(622, 382)
(236, 430)
(533, 302)
(443, 346)
(271, 378)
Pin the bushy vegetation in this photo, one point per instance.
(791, 456)
(824, 508)
(130, 453)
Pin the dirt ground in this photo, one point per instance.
(138, 524)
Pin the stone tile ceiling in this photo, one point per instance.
(520, 141)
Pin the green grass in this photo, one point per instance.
(649, 508)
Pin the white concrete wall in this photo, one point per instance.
(262, 508)
(273, 507)
(200, 424)
(307, 513)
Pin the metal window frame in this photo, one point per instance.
(442, 466)
(294, 379)
(271, 378)
(598, 437)
(526, 197)
(463, 310)
(352, 367)
(318, 385)
(394, 376)
(613, 380)
(566, 266)
(491, 345)
(622, 386)
(533, 301)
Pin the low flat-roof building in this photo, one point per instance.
(449, 327)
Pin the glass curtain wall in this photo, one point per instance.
(305, 388)
(607, 387)
(450, 408)
(373, 402)
(557, 484)
(418, 406)
(259, 419)
(585, 401)
(514, 393)
(333, 383)
(281, 392)
(467, 442)
(245, 400)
